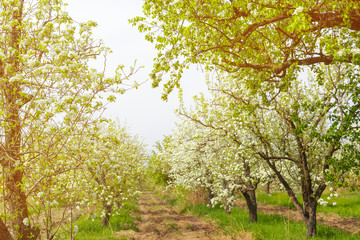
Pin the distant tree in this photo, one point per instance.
(113, 170)
(157, 168)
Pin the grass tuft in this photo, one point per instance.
(347, 203)
(268, 227)
(91, 228)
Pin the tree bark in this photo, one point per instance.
(227, 209)
(15, 195)
(310, 218)
(14, 178)
(267, 189)
(106, 219)
(250, 198)
(119, 204)
(210, 196)
(4, 232)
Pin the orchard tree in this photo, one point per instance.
(305, 134)
(50, 181)
(114, 164)
(269, 38)
(204, 151)
(47, 90)
(186, 158)
(57, 179)
(247, 171)
(264, 45)
(100, 166)
(157, 168)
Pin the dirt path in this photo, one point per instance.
(158, 220)
(349, 224)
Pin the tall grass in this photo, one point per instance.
(347, 203)
(90, 228)
(268, 227)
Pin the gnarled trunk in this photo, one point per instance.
(250, 198)
(310, 218)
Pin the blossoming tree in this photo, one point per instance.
(268, 38)
(263, 46)
(206, 150)
(113, 169)
(306, 133)
(47, 90)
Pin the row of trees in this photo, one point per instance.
(54, 147)
(98, 169)
(284, 100)
(236, 140)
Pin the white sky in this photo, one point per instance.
(143, 110)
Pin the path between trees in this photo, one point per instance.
(349, 224)
(158, 220)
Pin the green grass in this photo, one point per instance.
(268, 227)
(170, 198)
(347, 204)
(92, 230)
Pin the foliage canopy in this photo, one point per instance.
(268, 38)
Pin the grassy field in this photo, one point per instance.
(268, 227)
(275, 227)
(347, 203)
(90, 229)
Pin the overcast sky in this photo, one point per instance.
(143, 110)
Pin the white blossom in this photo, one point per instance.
(26, 221)
(341, 53)
(40, 194)
(298, 10)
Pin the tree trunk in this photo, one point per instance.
(267, 188)
(210, 196)
(4, 232)
(310, 218)
(17, 202)
(106, 219)
(15, 196)
(119, 204)
(250, 198)
(227, 209)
